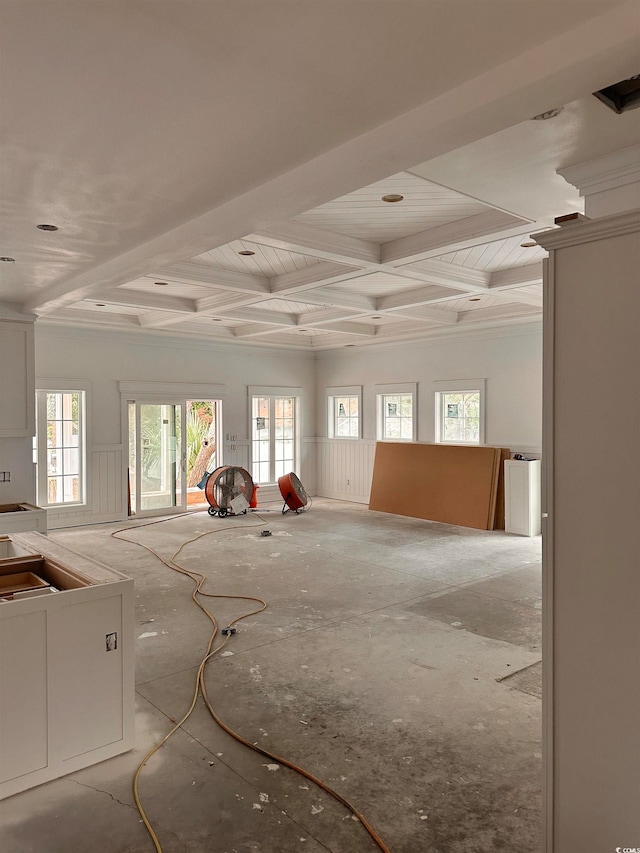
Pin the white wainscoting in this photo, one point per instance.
(106, 493)
(308, 466)
(344, 469)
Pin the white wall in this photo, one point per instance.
(509, 359)
(102, 358)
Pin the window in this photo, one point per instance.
(460, 412)
(274, 435)
(60, 447)
(397, 412)
(344, 412)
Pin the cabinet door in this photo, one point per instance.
(17, 380)
(23, 694)
(86, 674)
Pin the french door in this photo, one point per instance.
(172, 447)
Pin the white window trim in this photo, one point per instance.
(66, 385)
(277, 391)
(396, 388)
(343, 391)
(456, 386)
(170, 392)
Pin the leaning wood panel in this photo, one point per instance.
(500, 497)
(448, 483)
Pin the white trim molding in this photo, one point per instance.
(168, 391)
(610, 183)
(344, 391)
(454, 386)
(396, 388)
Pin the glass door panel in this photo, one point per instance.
(202, 446)
(172, 449)
(158, 473)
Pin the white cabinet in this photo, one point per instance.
(522, 497)
(66, 665)
(17, 379)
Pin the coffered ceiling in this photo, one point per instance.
(233, 187)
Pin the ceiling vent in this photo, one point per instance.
(621, 96)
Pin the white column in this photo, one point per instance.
(591, 551)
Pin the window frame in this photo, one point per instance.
(58, 386)
(459, 386)
(274, 393)
(400, 389)
(334, 394)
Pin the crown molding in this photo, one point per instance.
(607, 172)
(574, 234)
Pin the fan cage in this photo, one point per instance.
(293, 492)
(225, 484)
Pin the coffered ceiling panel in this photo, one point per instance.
(497, 255)
(265, 260)
(365, 214)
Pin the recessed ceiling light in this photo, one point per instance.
(47, 227)
(548, 114)
(391, 198)
(8, 260)
(246, 252)
(528, 244)
(161, 283)
(100, 305)
(474, 299)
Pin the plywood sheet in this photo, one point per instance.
(449, 483)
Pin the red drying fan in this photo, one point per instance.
(293, 493)
(229, 491)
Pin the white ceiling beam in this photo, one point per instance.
(434, 271)
(431, 315)
(337, 299)
(251, 330)
(327, 315)
(255, 315)
(151, 301)
(160, 319)
(306, 239)
(514, 294)
(79, 316)
(225, 301)
(508, 311)
(205, 276)
(517, 277)
(408, 298)
(447, 238)
(322, 274)
(350, 328)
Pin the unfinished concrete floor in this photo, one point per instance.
(375, 667)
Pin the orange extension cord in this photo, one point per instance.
(200, 688)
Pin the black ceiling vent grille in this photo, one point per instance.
(621, 96)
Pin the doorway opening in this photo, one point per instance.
(172, 447)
